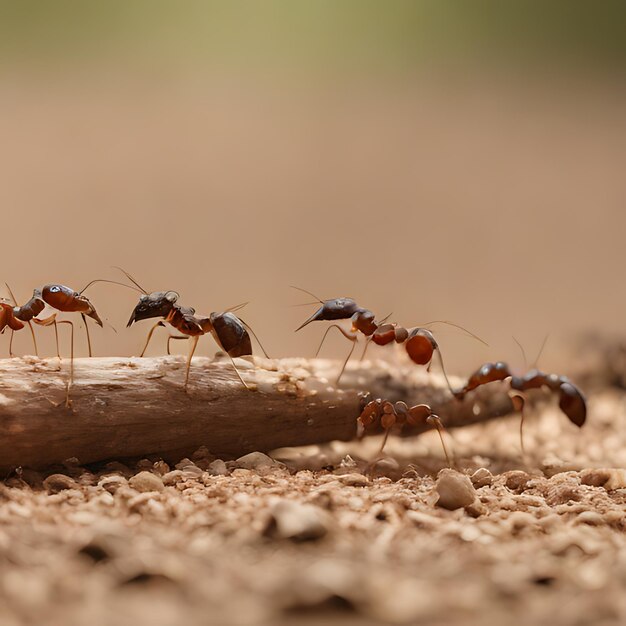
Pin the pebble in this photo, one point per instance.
(146, 481)
(59, 482)
(354, 480)
(296, 521)
(617, 480)
(590, 517)
(482, 477)
(217, 468)
(455, 490)
(595, 477)
(112, 483)
(516, 480)
(255, 460)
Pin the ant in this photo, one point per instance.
(229, 331)
(420, 343)
(59, 297)
(571, 400)
(385, 414)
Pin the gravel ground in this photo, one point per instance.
(322, 535)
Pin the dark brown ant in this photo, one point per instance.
(571, 399)
(384, 414)
(229, 331)
(420, 343)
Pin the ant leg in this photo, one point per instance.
(51, 321)
(368, 340)
(435, 421)
(243, 382)
(169, 339)
(150, 337)
(347, 335)
(11, 355)
(68, 402)
(87, 331)
(518, 402)
(194, 343)
(345, 363)
(32, 332)
(443, 370)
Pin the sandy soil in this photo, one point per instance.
(317, 534)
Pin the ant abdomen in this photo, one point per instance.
(232, 334)
(572, 403)
(420, 346)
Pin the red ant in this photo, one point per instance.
(385, 414)
(229, 332)
(59, 297)
(420, 343)
(571, 400)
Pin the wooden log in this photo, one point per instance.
(130, 407)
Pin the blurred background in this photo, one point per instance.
(434, 160)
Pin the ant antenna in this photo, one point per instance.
(105, 280)
(543, 345)
(460, 328)
(237, 307)
(11, 294)
(132, 280)
(521, 347)
(307, 292)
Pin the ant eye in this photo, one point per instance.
(143, 298)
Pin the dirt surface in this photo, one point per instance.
(319, 534)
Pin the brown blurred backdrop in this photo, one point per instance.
(439, 184)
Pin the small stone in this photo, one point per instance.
(146, 481)
(455, 490)
(354, 480)
(595, 477)
(482, 477)
(112, 483)
(161, 468)
(171, 478)
(617, 480)
(476, 508)
(518, 520)
(59, 482)
(296, 521)
(255, 460)
(590, 517)
(516, 480)
(217, 468)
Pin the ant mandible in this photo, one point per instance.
(229, 331)
(384, 414)
(419, 343)
(571, 400)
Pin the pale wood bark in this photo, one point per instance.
(130, 407)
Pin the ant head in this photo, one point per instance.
(232, 334)
(572, 403)
(420, 346)
(56, 295)
(155, 304)
(337, 309)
